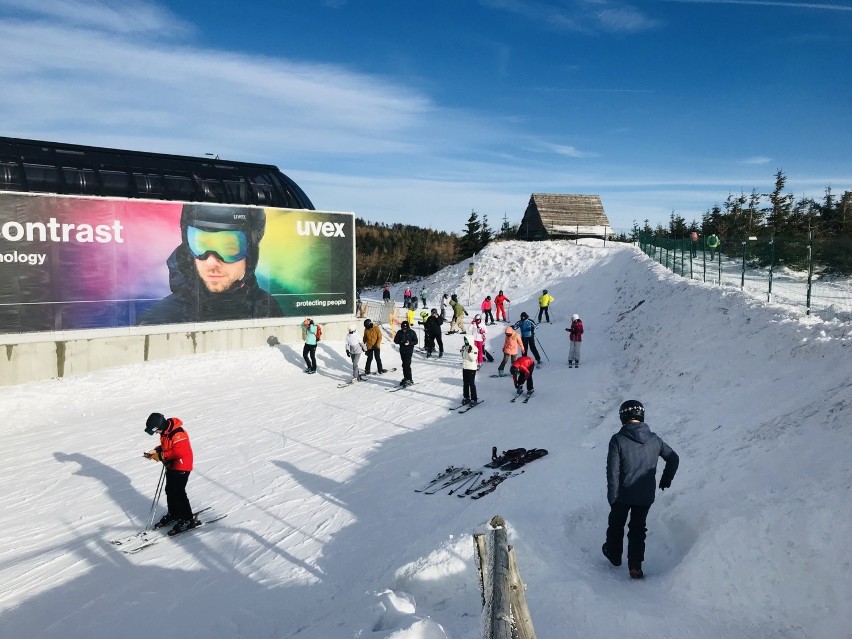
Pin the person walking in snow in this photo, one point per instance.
(372, 343)
(432, 333)
(522, 372)
(354, 348)
(486, 310)
(631, 468)
(309, 350)
(457, 323)
(175, 453)
(423, 292)
(513, 347)
(499, 303)
(527, 329)
(445, 300)
(406, 339)
(713, 244)
(406, 298)
(386, 293)
(575, 335)
(469, 368)
(544, 302)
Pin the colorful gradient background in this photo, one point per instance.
(94, 285)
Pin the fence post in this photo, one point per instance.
(742, 275)
(810, 269)
(771, 264)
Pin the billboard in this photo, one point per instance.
(69, 263)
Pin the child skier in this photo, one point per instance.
(498, 303)
(522, 371)
(486, 310)
(175, 452)
(513, 346)
(469, 366)
(354, 348)
(575, 334)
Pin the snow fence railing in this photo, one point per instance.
(504, 605)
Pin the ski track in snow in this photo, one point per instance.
(325, 537)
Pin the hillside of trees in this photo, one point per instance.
(395, 252)
(789, 231)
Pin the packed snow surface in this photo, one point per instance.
(326, 538)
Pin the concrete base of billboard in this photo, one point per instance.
(31, 360)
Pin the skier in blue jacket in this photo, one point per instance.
(526, 327)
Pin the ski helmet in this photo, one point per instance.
(575, 317)
(545, 291)
(630, 410)
(155, 422)
(367, 323)
(404, 324)
(524, 316)
(434, 311)
(212, 217)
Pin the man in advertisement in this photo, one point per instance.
(212, 272)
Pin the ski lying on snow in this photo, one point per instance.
(450, 470)
(470, 483)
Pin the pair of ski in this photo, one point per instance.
(526, 398)
(470, 483)
(364, 378)
(573, 363)
(463, 408)
(132, 544)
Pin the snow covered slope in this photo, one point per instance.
(326, 538)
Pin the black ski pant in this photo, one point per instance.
(520, 378)
(176, 499)
(543, 311)
(406, 365)
(529, 347)
(371, 353)
(309, 354)
(635, 532)
(429, 342)
(489, 318)
(469, 384)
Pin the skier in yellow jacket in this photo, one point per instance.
(543, 303)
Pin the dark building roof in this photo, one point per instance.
(555, 215)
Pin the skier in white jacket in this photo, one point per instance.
(354, 348)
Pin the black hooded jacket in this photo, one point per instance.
(190, 301)
(631, 465)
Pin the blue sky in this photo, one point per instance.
(418, 112)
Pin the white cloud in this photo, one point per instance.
(127, 16)
(758, 159)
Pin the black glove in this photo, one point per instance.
(665, 483)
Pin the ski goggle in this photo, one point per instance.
(228, 246)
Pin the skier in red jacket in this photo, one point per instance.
(175, 452)
(522, 371)
(498, 304)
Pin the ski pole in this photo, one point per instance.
(542, 348)
(157, 494)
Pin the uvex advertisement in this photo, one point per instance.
(71, 263)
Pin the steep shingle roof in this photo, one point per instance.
(558, 214)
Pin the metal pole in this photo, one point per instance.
(542, 348)
(742, 275)
(157, 494)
